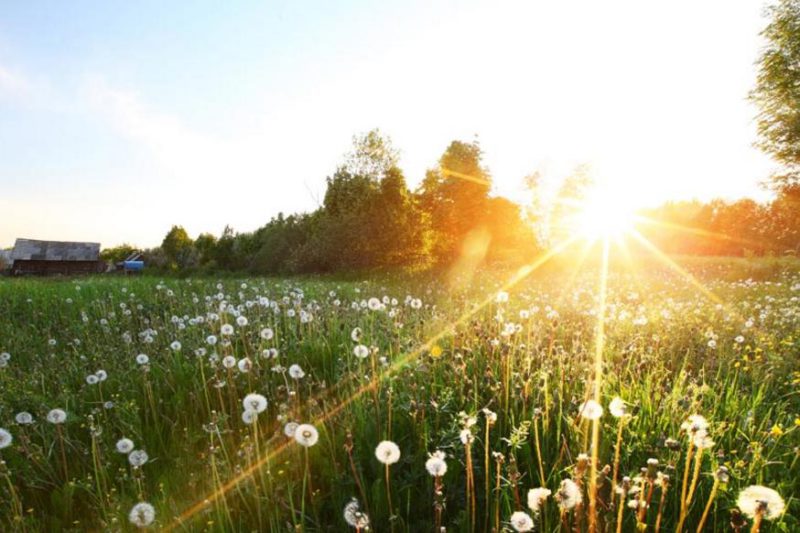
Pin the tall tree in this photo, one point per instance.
(178, 247)
(455, 195)
(777, 91)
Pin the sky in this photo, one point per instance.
(120, 119)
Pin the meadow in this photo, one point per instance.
(494, 401)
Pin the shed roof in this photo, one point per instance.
(30, 249)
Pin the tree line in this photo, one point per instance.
(370, 219)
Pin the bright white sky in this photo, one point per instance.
(119, 120)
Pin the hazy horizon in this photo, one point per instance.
(121, 120)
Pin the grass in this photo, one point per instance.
(430, 372)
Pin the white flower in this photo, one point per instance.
(536, 497)
(296, 372)
(568, 495)
(226, 329)
(24, 418)
(695, 424)
(435, 465)
(361, 351)
(374, 304)
(617, 407)
(176, 346)
(142, 514)
(255, 402)
(355, 334)
(249, 416)
(56, 416)
(306, 435)
(91, 379)
(102, 375)
(267, 334)
(354, 516)
(502, 297)
(5, 438)
(124, 446)
(466, 436)
(245, 365)
(142, 359)
(241, 321)
(491, 416)
(590, 410)
(211, 339)
(229, 361)
(290, 428)
(137, 458)
(387, 452)
(757, 498)
(521, 521)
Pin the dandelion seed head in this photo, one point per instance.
(436, 465)
(138, 458)
(521, 521)
(387, 452)
(124, 445)
(306, 435)
(56, 416)
(24, 418)
(354, 516)
(568, 495)
(5, 438)
(142, 514)
(590, 410)
(255, 402)
(759, 499)
(537, 497)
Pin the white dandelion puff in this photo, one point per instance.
(306, 435)
(142, 514)
(255, 402)
(124, 446)
(537, 497)
(759, 499)
(57, 416)
(436, 465)
(521, 521)
(387, 452)
(590, 410)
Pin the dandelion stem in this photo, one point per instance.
(708, 505)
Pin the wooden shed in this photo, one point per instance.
(31, 256)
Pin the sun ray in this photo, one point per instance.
(520, 275)
(598, 377)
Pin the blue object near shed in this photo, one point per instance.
(133, 266)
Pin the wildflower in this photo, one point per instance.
(757, 499)
(521, 521)
(142, 514)
(356, 334)
(502, 297)
(776, 431)
(695, 424)
(124, 446)
(255, 402)
(290, 428)
(57, 416)
(361, 351)
(568, 495)
(24, 418)
(229, 361)
(175, 345)
(436, 465)
(617, 407)
(249, 416)
(137, 458)
(702, 440)
(267, 334)
(241, 321)
(142, 359)
(387, 452)
(245, 365)
(466, 436)
(226, 329)
(354, 516)
(491, 416)
(91, 379)
(5, 438)
(536, 497)
(436, 351)
(102, 375)
(590, 410)
(211, 340)
(306, 435)
(296, 372)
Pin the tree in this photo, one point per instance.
(777, 91)
(117, 253)
(178, 247)
(455, 196)
(372, 155)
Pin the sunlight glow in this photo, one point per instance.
(603, 216)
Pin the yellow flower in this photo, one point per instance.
(797, 421)
(776, 431)
(436, 351)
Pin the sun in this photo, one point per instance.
(602, 215)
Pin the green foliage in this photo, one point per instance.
(117, 253)
(177, 247)
(777, 91)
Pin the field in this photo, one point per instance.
(500, 377)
